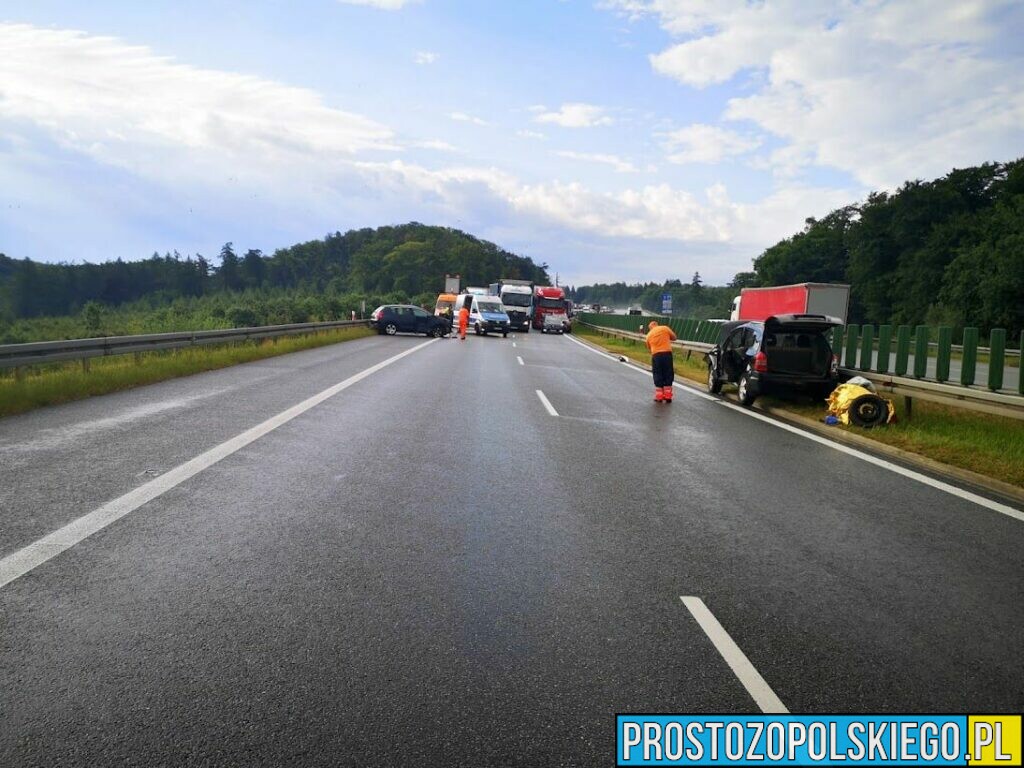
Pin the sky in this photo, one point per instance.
(611, 139)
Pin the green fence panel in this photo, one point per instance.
(837, 341)
(711, 336)
(902, 349)
(884, 348)
(945, 350)
(969, 364)
(688, 327)
(1020, 365)
(852, 333)
(867, 346)
(921, 339)
(996, 358)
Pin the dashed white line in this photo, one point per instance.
(974, 498)
(740, 665)
(513, 343)
(38, 552)
(546, 403)
(520, 360)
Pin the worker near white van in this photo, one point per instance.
(659, 341)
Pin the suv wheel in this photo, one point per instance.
(438, 332)
(746, 396)
(390, 329)
(714, 385)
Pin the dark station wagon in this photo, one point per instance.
(782, 354)
(405, 318)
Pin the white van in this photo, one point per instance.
(486, 314)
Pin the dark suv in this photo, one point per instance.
(783, 353)
(405, 318)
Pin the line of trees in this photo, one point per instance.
(943, 252)
(408, 260)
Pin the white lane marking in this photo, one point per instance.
(38, 552)
(547, 403)
(628, 364)
(740, 665)
(520, 360)
(981, 501)
(513, 343)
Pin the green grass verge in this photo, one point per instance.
(63, 382)
(989, 445)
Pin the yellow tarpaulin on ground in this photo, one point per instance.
(868, 409)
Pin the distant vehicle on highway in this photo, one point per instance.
(554, 324)
(443, 307)
(517, 299)
(548, 300)
(405, 318)
(783, 353)
(487, 315)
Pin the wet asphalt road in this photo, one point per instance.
(428, 568)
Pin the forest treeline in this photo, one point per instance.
(943, 252)
(948, 251)
(411, 259)
(317, 280)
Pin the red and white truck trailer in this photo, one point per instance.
(830, 299)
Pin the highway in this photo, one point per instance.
(423, 564)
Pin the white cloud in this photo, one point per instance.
(699, 143)
(576, 115)
(652, 212)
(127, 106)
(531, 135)
(387, 5)
(536, 108)
(425, 57)
(435, 144)
(462, 117)
(885, 90)
(620, 165)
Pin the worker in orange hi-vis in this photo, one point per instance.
(659, 340)
(463, 322)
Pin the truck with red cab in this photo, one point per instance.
(549, 300)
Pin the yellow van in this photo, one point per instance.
(445, 304)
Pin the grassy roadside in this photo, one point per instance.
(989, 445)
(63, 382)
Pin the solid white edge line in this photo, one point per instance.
(749, 677)
(546, 403)
(974, 498)
(981, 501)
(520, 360)
(38, 552)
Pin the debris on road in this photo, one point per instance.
(854, 403)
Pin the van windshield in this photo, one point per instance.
(485, 306)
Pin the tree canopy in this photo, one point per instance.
(409, 260)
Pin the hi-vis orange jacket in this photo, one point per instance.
(659, 339)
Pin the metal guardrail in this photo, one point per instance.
(972, 398)
(41, 352)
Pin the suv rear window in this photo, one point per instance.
(798, 352)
